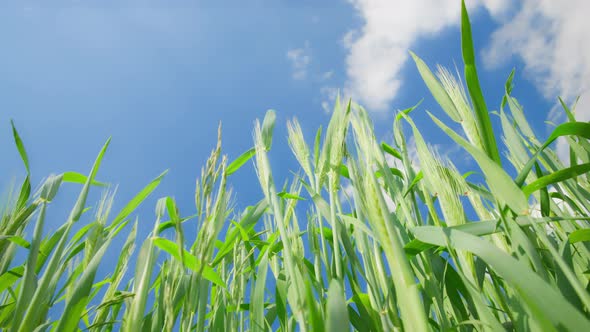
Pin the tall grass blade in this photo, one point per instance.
(537, 294)
(138, 199)
(481, 110)
(336, 310)
(20, 147)
(189, 260)
(38, 305)
(240, 161)
(556, 177)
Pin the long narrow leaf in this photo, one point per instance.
(541, 298)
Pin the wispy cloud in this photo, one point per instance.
(378, 51)
(329, 95)
(326, 75)
(300, 59)
(551, 39)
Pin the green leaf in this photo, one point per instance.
(545, 201)
(175, 219)
(138, 199)
(436, 88)
(287, 195)
(143, 274)
(50, 187)
(249, 219)
(74, 177)
(336, 310)
(344, 171)
(415, 247)
(484, 123)
(556, 177)
(580, 235)
(484, 227)
(367, 313)
(568, 112)
(390, 150)
(79, 298)
(37, 306)
(417, 179)
(316, 147)
(268, 126)
(508, 86)
(519, 118)
(257, 302)
(393, 170)
(315, 320)
(190, 261)
(20, 147)
(243, 232)
(581, 129)
(169, 224)
(240, 161)
(8, 278)
(16, 240)
(357, 224)
(541, 298)
(24, 194)
(81, 202)
(408, 110)
(466, 40)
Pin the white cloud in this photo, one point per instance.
(551, 37)
(379, 50)
(326, 75)
(300, 59)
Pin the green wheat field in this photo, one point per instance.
(360, 238)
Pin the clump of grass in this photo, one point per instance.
(401, 254)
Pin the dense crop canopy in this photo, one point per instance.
(383, 246)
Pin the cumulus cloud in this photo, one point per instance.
(550, 37)
(300, 59)
(378, 50)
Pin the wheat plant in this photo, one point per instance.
(360, 238)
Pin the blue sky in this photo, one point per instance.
(159, 76)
